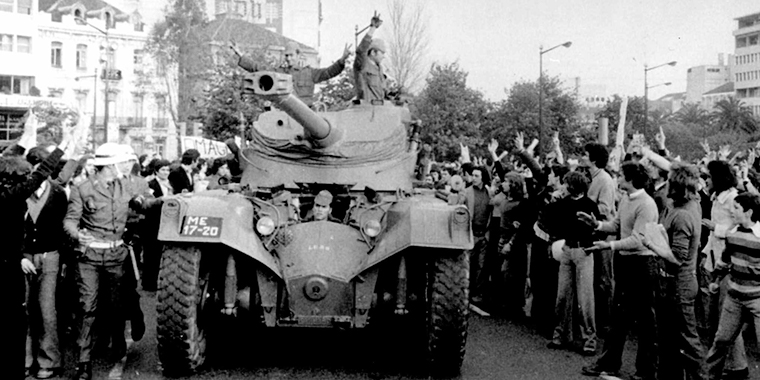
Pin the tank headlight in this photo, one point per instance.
(372, 228)
(265, 226)
(461, 215)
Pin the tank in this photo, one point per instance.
(388, 253)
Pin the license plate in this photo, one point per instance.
(205, 226)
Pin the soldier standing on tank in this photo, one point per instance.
(304, 77)
(369, 78)
(96, 218)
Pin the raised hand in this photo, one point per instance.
(532, 146)
(705, 146)
(724, 151)
(346, 52)
(376, 21)
(492, 146)
(519, 141)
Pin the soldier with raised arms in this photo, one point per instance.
(369, 78)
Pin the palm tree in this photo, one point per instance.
(732, 115)
(692, 113)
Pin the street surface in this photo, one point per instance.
(496, 349)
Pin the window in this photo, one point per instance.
(15, 85)
(24, 7)
(111, 58)
(23, 44)
(138, 108)
(82, 56)
(138, 60)
(741, 42)
(240, 8)
(56, 51)
(6, 42)
(109, 20)
(6, 5)
(82, 100)
(139, 26)
(753, 39)
(78, 13)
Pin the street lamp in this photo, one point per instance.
(106, 73)
(646, 91)
(541, 89)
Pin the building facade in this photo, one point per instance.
(702, 79)
(88, 54)
(747, 61)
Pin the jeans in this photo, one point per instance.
(42, 332)
(636, 289)
(604, 287)
(478, 273)
(732, 316)
(681, 350)
(576, 276)
(101, 270)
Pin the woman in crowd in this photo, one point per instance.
(160, 187)
(681, 351)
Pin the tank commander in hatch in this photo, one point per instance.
(369, 78)
(304, 77)
(322, 210)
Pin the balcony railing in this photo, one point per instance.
(160, 123)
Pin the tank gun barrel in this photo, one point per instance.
(278, 88)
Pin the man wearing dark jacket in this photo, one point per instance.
(181, 177)
(43, 239)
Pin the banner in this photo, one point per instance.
(208, 148)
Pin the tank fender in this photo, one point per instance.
(421, 223)
(231, 211)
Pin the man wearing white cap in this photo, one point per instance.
(369, 78)
(96, 217)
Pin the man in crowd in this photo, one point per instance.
(181, 177)
(43, 241)
(478, 202)
(96, 218)
(637, 276)
(602, 192)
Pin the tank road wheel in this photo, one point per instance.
(447, 311)
(182, 294)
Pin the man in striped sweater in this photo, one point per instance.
(741, 259)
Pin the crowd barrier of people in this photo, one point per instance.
(567, 244)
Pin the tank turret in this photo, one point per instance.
(278, 88)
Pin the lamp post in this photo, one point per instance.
(541, 53)
(106, 74)
(94, 101)
(646, 91)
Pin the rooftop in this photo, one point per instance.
(91, 5)
(246, 33)
(722, 89)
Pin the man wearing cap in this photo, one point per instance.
(322, 210)
(304, 78)
(96, 218)
(368, 71)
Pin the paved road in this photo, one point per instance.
(496, 349)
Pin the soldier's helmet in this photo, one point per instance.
(113, 153)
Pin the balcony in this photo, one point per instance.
(160, 124)
(131, 122)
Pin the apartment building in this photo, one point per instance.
(747, 61)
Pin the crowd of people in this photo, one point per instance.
(78, 232)
(573, 246)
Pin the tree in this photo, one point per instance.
(519, 113)
(171, 43)
(733, 115)
(337, 93)
(223, 108)
(408, 42)
(692, 113)
(451, 112)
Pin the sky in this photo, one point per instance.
(497, 41)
